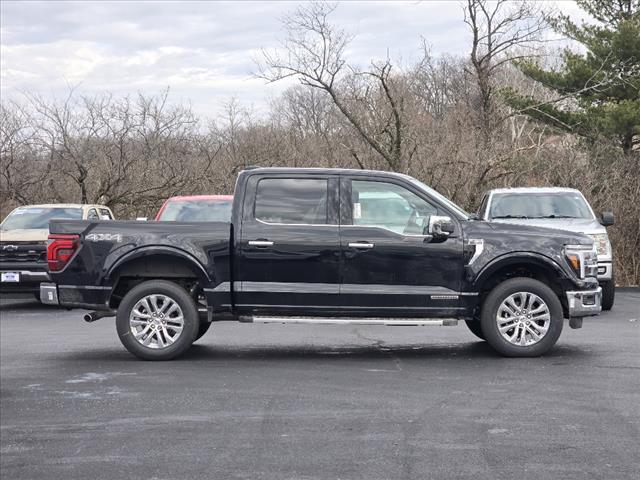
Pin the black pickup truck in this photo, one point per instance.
(325, 246)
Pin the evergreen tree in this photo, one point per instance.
(598, 90)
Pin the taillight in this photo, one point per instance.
(60, 250)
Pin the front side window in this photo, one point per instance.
(539, 205)
(292, 201)
(390, 206)
(93, 215)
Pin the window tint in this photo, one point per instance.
(389, 206)
(291, 200)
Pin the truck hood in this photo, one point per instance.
(538, 235)
(578, 225)
(24, 235)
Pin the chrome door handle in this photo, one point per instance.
(260, 243)
(362, 245)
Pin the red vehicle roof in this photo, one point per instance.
(204, 198)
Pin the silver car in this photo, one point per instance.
(561, 208)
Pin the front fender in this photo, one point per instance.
(519, 258)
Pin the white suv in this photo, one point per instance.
(561, 208)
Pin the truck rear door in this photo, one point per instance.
(288, 247)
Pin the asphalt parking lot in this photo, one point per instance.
(317, 402)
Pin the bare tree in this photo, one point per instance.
(313, 52)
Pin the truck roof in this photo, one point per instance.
(328, 171)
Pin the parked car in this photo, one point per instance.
(23, 242)
(560, 208)
(196, 208)
(312, 246)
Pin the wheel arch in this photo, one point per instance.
(155, 263)
(522, 264)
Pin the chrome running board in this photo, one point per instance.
(400, 322)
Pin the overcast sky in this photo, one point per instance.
(202, 50)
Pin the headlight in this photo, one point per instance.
(601, 241)
(582, 259)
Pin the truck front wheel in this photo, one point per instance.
(608, 294)
(157, 320)
(522, 317)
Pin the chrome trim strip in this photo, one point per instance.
(341, 307)
(334, 288)
(479, 244)
(84, 287)
(342, 226)
(408, 322)
(223, 287)
(287, 287)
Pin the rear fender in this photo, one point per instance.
(163, 251)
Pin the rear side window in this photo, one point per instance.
(292, 201)
(105, 214)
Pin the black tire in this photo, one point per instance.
(189, 313)
(475, 327)
(202, 329)
(608, 294)
(490, 311)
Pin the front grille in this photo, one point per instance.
(22, 252)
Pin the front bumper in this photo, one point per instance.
(28, 280)
(605, 271)
(584, 303)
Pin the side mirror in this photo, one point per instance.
(141, 219)
(607, 219)
(440, 227)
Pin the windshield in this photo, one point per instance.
(539, 205)
(37, 218)
(444, 200)
(197, 211)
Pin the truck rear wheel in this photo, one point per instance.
(522, 317)
(157, 320)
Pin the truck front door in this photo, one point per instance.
(389, 266)
(288, 255)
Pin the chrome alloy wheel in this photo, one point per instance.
(523, 318)
(156, 321)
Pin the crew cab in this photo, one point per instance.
(560, 208)
(325, 246)
(23, 242)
